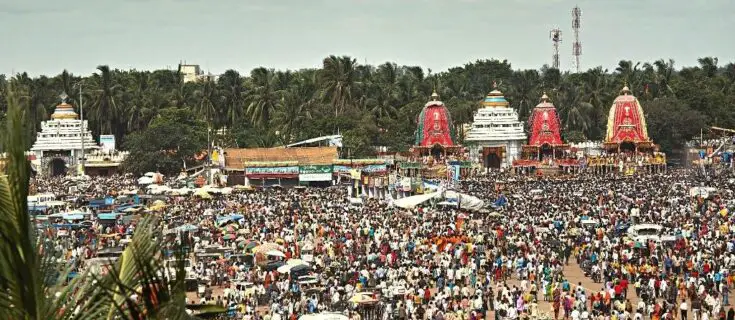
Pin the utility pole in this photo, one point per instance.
(82, 126)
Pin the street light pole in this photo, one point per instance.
(81, 127)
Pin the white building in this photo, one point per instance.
(58, 147)
(496, 135)
(192, 72)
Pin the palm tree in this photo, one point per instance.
(33, 94)
(232, 91)
(664, 73)
(105, 91)
(708, 65)
(573, 109)
(595, 92)
(292, 113)
(264, 96)
(387, 91)
(206, 95)
(339, 79)
(523, 91)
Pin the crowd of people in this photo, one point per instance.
(558, 248)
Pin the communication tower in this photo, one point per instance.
(576, 46)
(555, 36)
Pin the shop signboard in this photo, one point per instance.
(341, 169)
(315, 176)
(315, 169)
(273, 171)
(375, 168)
(315, 173)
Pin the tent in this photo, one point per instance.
(413, 201)
(465, 201)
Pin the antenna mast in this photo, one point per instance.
(555, 36)
(576, 46)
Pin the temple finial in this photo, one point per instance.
(63, 96)
(544, 97)
(625, 90)
(495, 84)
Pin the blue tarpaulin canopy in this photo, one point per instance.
(107, 216)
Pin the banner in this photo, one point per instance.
(453, 172)
(273, 171)
(315, 176)
(340, 169)
(107, 142)
(406, 184)
(375, 168)
(315, 169)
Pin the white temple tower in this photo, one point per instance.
(58, 147)
(496, 135)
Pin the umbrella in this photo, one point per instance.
(300, 268)
(273, 265)
(251, 245)
(284, 269)
(275, 253)
(267, 247)
(296, 262)
(228, 237)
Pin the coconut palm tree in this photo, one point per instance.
(339, 79)
(263, 97)
(232, 91)
(206, 97)
(106, 92)
(664, 74)
(386, 93)
(523, 91)
(292, 112)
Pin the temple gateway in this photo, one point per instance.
(64, 139)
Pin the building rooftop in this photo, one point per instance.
(239, 158)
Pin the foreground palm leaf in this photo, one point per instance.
(33, 285)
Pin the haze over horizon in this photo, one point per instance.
(46, 37)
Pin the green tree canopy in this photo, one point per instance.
(268, 107)
(173, 138)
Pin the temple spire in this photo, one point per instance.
(544, 97)
(434, 95)
(626, 90)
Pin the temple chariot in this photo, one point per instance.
(435, 153)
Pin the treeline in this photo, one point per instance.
(377, 105)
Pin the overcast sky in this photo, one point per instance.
(47, 36)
